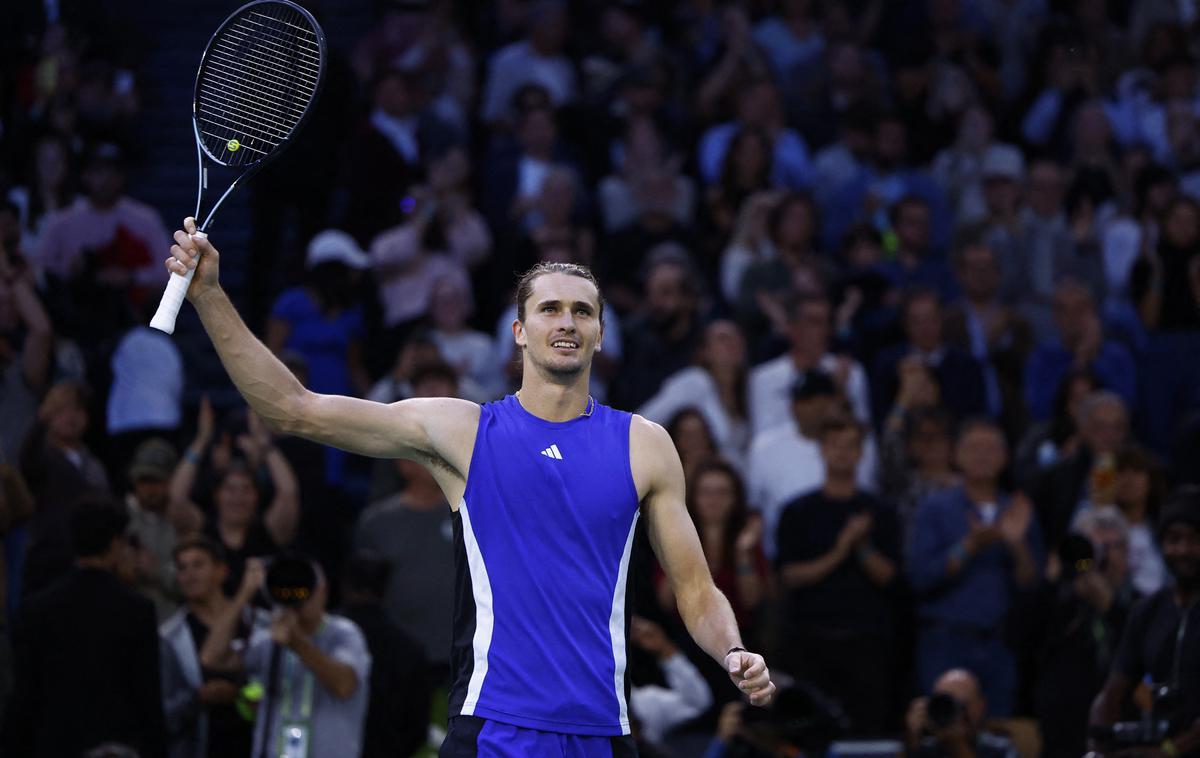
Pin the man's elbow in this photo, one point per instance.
(345, 687)
(294, 414)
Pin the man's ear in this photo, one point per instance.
(518, 330)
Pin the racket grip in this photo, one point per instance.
(172, 301)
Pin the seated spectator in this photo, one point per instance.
(958, 376)
(413, 531)
(324, 660)
(785, 461)
(1088, 475)
(1082, 610)
(809, 323)
(965, 168)
(759, 111)
(86, 652)
(239, 524)
(931, 735)
(553, 218)
(745, 170)
(536, 58)
(60, 470)
(1161, 641)
(400, 688)
(1078, 345)
(663, 337)
(686, 695)
(1163, 281)
(1140, 487)
(26, 343)
(322, 319)
(731, 537)
(973, 548)
(693, 440)
(152, 523)
(103, 253)
(199, 698)
(837, 554)
(715, 385)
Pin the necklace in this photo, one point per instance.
(587, 411)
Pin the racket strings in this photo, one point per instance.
(258, 79)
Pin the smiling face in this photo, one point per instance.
(561, 328)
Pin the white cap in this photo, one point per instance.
(333, 245)
(1005, 161)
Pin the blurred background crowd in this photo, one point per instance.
(914, 286)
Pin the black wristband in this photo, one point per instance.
(733, 650)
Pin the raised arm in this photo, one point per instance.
(705, 610)
(418, 429)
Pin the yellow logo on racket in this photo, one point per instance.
(233, 145)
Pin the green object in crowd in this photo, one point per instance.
(248, 699)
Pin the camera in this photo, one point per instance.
(291, 580)
(943, 711)
(1078, 556)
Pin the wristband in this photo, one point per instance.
(733, 650)
(191, 457)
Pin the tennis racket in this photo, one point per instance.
(257, 82)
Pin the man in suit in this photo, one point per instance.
(86, 652)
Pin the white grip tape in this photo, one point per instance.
(172, 299)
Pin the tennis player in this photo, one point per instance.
(546, 486)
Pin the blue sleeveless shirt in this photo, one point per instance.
(542, 540)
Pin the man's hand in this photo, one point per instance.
(192, 250)
(218, 692)
(750, 536)
(749, 672)
(285, 627)
(1014, 522)
(855, 531)
(252, 580)
(729, 725)
(980, 536)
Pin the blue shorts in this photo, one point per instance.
(473, 737)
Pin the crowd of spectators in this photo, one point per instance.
(914, 285)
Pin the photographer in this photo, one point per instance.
(950, 721)
(1161, 645)
(314, 667)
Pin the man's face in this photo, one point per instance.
(392, 96)
(979, 273)
(237, 499)
(923, 324)
(1181, 553)
(199, 575)
(1073, 311)
(981, 454)
(1105, 428)
(912, 227)
(151, 494)
(562, 324)
(1113, 545)
(968, 695)
(841, 450)
(104, 182)
(667, 296)
(1045, 189)
(809, 328)
(809, 412)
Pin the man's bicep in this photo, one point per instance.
(672, 533)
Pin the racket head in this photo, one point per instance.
(257, 82)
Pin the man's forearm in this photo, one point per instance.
(335, 676)
(710, 620)
(262, 379)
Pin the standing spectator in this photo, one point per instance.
(50, 187)
(538, 58)
(199, 698)
(60, 470)
(1048, 442)
(958, 376)
(1140, 488)
(965, 168)
(152, 523)
(86, 651)
(468, 351)
(745, 170)
(731, 537)
(916, 262)
(693, 438)
(791, 37)
(413, 531)
(26, 342)
(759, 111)
(785, 461)
(240, 526)
(1164, 281)
(917, 455)
(809, 320)
(1078, 345)
(838, 549)
(973, 548)
(663, 337)
(398, 711)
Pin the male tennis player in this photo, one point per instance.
(547, 486)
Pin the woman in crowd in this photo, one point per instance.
(1140, 488)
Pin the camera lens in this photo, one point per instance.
(943, 710)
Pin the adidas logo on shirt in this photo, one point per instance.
(552, 452)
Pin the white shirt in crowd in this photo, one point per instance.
(147, 387)
(694, 387)
(770, 390)
(661, 709)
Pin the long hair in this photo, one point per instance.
(739, 513)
